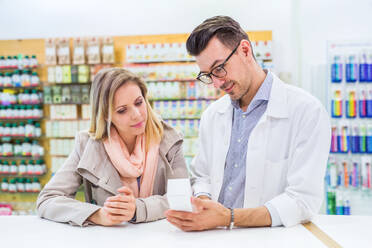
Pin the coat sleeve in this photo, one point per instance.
(56, 201)
(152, 208)
(200, 174)
(304, 193)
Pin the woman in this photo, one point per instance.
(124, 160)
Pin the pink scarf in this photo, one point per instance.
(131, 166)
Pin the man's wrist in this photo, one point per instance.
(232, 219)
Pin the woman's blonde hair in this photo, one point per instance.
(104, 86)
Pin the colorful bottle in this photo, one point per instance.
(363, 68)
(351, 69)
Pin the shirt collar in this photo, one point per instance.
(263, 93)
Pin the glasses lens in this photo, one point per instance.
(219, 72)
(205, 79)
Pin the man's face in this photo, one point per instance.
(235, 81)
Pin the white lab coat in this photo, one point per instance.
(286, 157)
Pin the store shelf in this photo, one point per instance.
(66, 84)
(20, 88)
(20, 157)
(182, 118)
(21, 193)
(184, 99)
(170, 80)
(17, 68)
(20, 119)
(19, 105)
(64, 137)
(9, 138)
(163, 62)
(20, 175)
(67, 103)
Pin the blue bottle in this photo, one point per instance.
(336, 69)
(369, 104)
(369, 139)
(355, 140)
(346, 207)
(369, 71)
(351, 69)
(363, 68)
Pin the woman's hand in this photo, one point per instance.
(116, 209)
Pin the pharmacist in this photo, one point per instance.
(263, 147)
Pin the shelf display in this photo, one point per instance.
(43, 104)
(349, 172)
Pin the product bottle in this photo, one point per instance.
(7, 129)
(26, 97)
(33, 61)
(22, 168)
(28, 185)
(43, 167)
(25, 78)
(1, 129)
(12, 186)
(38, 168)
(18, 148)
(21, 129)
(363, 68)
(34, 97)
(6, 168)
(7, 149)
(8, 80)
(20, 185)
(26, 148)
(13, 168)
(14, 130)
(16, 79)
(30, 167)
(36, 187)
(26, 61)
(37, 130)
(5, 185)
(1, 78)
(29, 129)
(35, 81)
(351, 69)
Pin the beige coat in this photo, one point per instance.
(89, 160)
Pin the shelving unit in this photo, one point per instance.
(24, 203)
(349, 172)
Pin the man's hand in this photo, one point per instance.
(116, 209)
(208, 215)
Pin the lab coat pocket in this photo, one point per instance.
(275, 177)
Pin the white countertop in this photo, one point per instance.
(31, 231)
(348, 231)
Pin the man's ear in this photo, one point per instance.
(246, 47)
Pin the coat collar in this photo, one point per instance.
(95, 165)
(277, 106)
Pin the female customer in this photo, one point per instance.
(124, 161)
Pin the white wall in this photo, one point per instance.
(300, 27)
(42, 18)
(322, 21)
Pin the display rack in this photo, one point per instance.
(349, 175)
(57, 143)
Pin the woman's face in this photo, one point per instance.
(130, 112)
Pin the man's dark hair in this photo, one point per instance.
(226, 29)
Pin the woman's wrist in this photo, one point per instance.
(95, 217)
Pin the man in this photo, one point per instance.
(263, 147)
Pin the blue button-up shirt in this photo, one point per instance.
(233, 187)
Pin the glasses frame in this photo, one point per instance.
(220, 66)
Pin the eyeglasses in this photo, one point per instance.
(217, 71)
